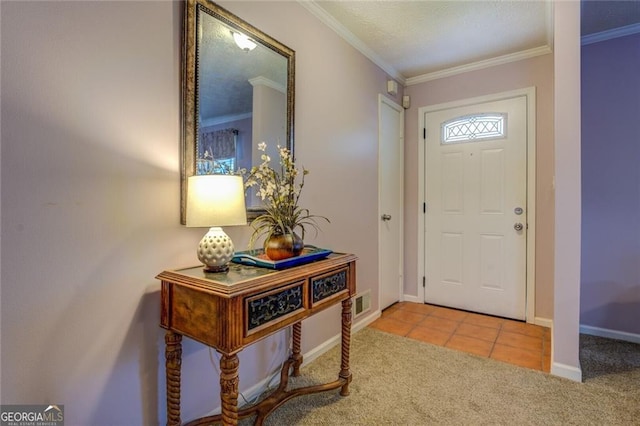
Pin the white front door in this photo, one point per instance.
(476, 200)
(390, 199)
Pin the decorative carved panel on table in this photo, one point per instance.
(267, 307)
(328, 285)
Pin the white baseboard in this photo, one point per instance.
(365, 321)
(411, 298)
(335, 340)
(543, 322)
(566, 371)
(610, 334)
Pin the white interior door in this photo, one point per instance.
(390, 199)
(476, 218)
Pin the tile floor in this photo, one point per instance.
(515, 342)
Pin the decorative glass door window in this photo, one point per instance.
(470, 128)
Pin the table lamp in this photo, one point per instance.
(215, 201)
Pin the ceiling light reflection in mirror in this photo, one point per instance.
(242, 85)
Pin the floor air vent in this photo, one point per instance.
(362, 303)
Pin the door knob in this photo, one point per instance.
(386, 217)
(518, 226)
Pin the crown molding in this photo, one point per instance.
(224, 119)
(358, 44)
(610, 34)
(351, 38)
(263, 81)
(512, 57)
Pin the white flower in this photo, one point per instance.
(279, 190)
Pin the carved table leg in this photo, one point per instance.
(295, 352)
(173, 356)
(345, 373)
(229, 388)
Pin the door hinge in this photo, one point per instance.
(424, 133)
(424, 207)
(424, 282)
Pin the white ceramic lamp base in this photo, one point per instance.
(215, 250)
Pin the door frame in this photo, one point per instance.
(384, 100)
(530, 94)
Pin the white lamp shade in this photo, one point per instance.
(215, 200)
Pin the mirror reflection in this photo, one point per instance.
(242, 94)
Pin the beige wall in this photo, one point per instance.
(90, 197)
(536, 72)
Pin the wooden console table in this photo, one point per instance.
(231, 310)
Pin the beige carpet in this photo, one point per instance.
(399, 381)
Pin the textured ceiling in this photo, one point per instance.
(419, 37)
(599, 16)
(225, 71)
(410, 39)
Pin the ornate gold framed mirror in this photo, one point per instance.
(237, 91)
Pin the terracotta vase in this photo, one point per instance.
(283, 246)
